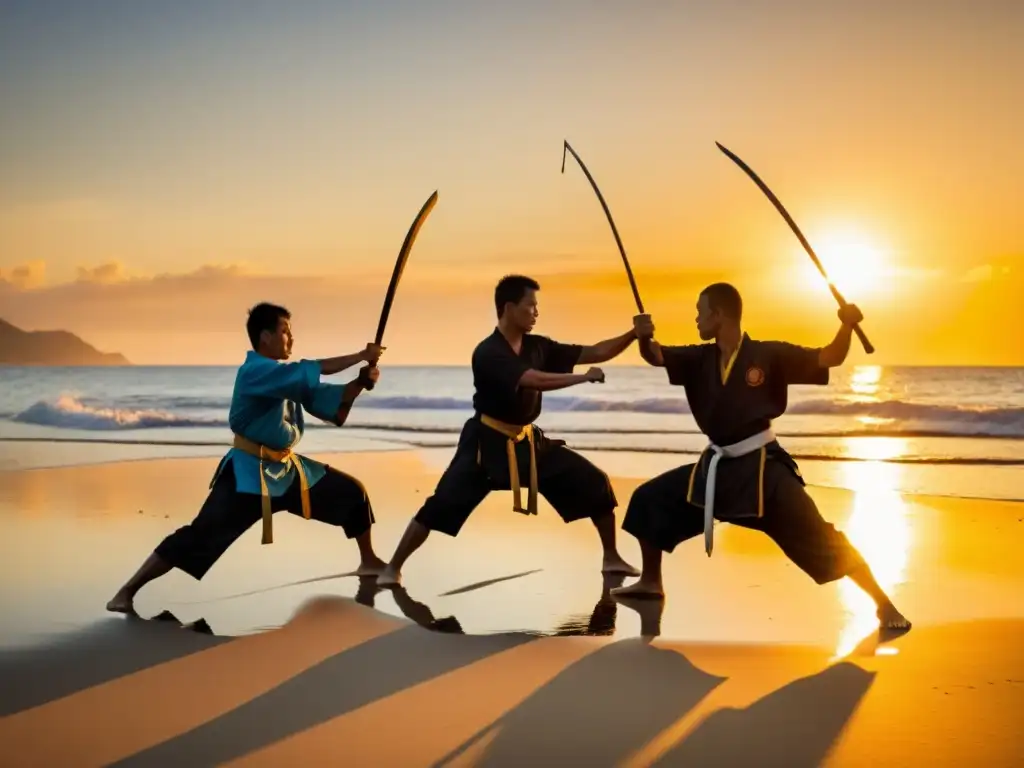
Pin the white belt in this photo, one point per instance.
(742, 448)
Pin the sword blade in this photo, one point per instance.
(403, 257)
(608, 214)
(396, 274)
(868, 347)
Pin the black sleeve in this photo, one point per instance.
(497, 369)
(681, 362)
(558, 357)
(796, 364)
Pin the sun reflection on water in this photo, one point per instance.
(878, 527)
(865, 380)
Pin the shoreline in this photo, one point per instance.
(619, 459)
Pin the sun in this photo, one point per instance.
(854, 265)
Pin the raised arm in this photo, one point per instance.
(296, 380)
(606, 350)
(650, 350)
(332, 365)
(679, 362)
(499, 371)
(836, 352)
(546, 382)
(333, 403)
(367, 376)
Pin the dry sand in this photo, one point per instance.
(754, 664)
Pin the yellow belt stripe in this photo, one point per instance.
(283, 456)
(515, 433)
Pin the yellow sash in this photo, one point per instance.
(284, 456)
(515, 434)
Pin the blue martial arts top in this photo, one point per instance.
(266, 408)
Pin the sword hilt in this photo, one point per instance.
(869, 348)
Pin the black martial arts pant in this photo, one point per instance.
(572, 485)
(659, 515)
(337, 499)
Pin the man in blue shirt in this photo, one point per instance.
(261, 475)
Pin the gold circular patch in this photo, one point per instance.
(755, 376)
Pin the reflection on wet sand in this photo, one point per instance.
(599, 622)
(879, 527)
(509, 576)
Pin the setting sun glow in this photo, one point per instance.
(854, 265)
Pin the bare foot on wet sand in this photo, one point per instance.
(891, 622)
(615, 564)
(122, 603)
(389, 577)
(640, 589)
(372, 566)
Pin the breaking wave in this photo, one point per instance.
(891, 417)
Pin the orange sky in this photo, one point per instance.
(163, 171)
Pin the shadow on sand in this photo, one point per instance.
(340, 684)
(114, 647)
(596, 712)
(795, 726)
(352, 679)
(612, 703)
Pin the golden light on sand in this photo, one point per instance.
(854, 265)
(878, 527)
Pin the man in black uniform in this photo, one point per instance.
(735, 387)
(500, 444)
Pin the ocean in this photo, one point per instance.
(941, 431)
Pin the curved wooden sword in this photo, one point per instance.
(868, 347)
(403, 257)
(618, 240)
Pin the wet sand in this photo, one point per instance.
(502, 648)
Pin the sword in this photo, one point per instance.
(618, 240)
(868, 347)
(396, 275)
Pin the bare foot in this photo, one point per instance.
(122, 603)
(389, 578)
(891, 621)
(640, 589)
(615, 564)
(371, 566)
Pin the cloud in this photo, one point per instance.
(25, 277)
(111, 272)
